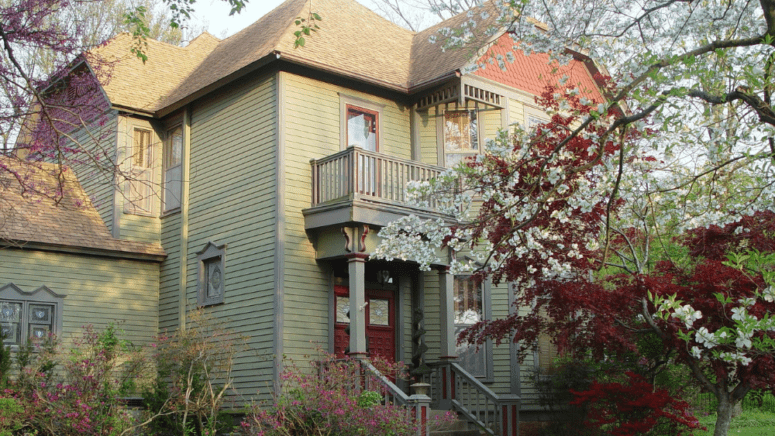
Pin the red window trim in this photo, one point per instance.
(365, 111)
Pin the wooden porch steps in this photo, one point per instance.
(458, 427)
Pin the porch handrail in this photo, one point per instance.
(362, 174)
(393, 394)
(452, 387)
(366, 376)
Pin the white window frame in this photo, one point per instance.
(42, 296)
(211, 256)
(139, 190)
(486, 349)
(534, 116)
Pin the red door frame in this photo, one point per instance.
(373, 332)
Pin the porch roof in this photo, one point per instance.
(49, 209)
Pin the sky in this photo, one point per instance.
(214, 14)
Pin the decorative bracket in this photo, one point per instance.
(347, 246)
(362, 245)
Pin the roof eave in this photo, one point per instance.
(89, 251)
(342, 72)
(260, 63)
(132, 110)
(434, 82)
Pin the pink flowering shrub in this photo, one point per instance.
(325, 400)
(75, 393)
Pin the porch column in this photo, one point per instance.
(447, 314)
(356, 263)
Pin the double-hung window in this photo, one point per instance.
(173, 169)
(140, 183)
(29, 316)
(461, 136)
(471, 306)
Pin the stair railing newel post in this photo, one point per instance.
(509, 413)
(420, 406)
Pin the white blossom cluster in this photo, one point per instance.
(736, 344)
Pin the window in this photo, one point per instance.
(546, 352)
(362, 128)
(212, 280)
(360, 123)
(461, 136)
(139, 186)
(173, 168)
(545, 355)
(29, 316)
(471, 306)
(534, 117)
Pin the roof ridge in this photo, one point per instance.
(266, 17)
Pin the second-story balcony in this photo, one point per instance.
(360, 186)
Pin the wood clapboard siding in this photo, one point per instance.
(140, 228)
(516, 112)
(501, 356)
(169, 291)
(429, 150)
(491, 123)
(98, 183)
(99, 290)
(431, 316)
(232, 201)
(312, 130)
(406, 322)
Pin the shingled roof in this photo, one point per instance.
(43, 205)
(130, 83)
(353, 42)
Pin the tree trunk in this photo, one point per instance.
(723, 415)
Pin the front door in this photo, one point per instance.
(380, 322)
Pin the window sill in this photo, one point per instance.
(167, 213)
(139, 213)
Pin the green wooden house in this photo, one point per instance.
(264, 173)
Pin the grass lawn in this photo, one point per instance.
(750, 423)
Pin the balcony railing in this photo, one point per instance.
(359, 174)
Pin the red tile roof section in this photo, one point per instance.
(532, 73)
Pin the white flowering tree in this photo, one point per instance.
(636, 215)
